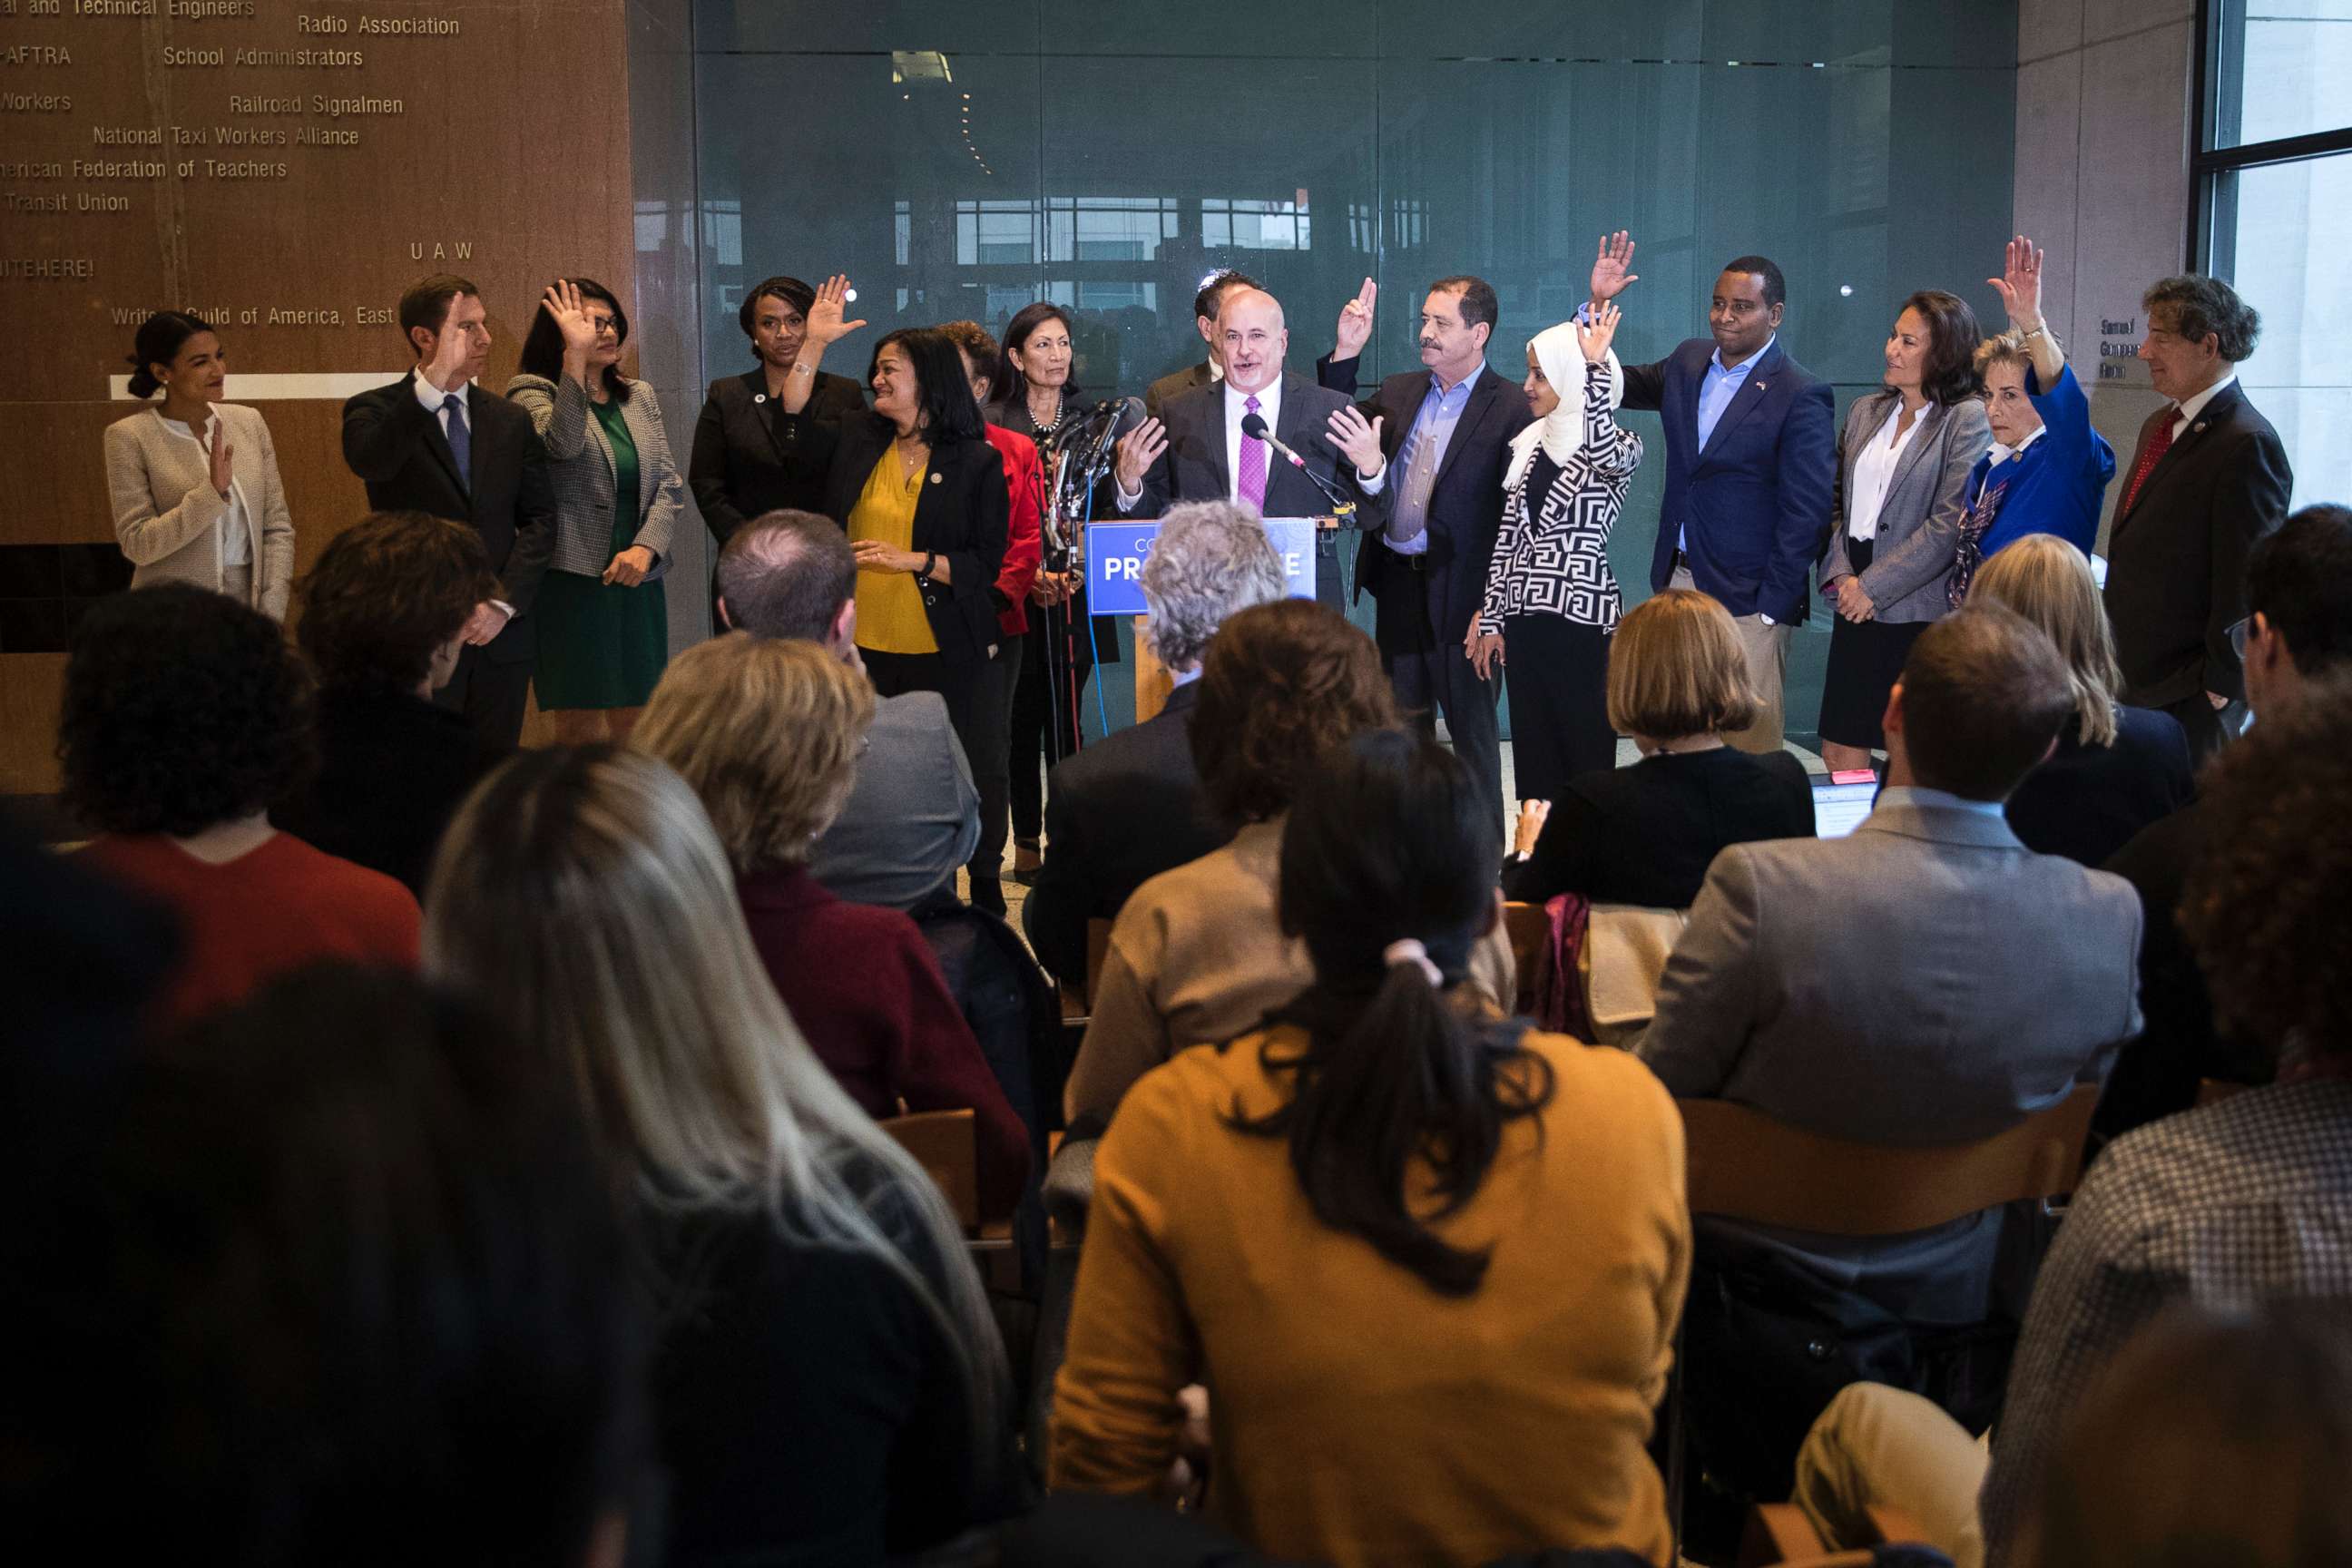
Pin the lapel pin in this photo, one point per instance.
(2197, 428)
(935, 479)
(758, 397)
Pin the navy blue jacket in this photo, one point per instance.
(1754, 506)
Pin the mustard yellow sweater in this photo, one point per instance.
(1359, 1415)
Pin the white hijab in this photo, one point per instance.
(1561, 431)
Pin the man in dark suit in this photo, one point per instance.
(435, 442)
(1198, 451)
(1751, 458)
(2208, 479)
(1447, 430)
(1213, 293)
(1130, 806)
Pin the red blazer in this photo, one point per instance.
(864, 989)
(1024, 548)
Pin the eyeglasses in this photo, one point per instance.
(2237, 633)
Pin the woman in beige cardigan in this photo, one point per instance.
(194, 480)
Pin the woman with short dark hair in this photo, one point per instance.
(185, 715)
(737, 470)
(381, 614)
(1384, 1224)
(1896, 515)
(604, 625)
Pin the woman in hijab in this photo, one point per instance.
(1551, 598)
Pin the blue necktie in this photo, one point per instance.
(461, 440)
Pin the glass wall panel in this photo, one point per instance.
(2290, 229)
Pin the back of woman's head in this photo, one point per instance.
(768, 733)
(2212, 1440)
(1388, 865)
(1282, 683)
(1675, 669)
(183, 710)
(2046, 580)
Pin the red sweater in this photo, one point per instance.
(271, 909)
(866, 990)
(1025, 546)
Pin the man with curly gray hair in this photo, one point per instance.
(2210, 476)
(1130, 806)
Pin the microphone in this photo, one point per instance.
(1253, 425)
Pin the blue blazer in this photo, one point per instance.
(2055, 485)
(1754, 506)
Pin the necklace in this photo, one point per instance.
(912, 454)
(1047, 427)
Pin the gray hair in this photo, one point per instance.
(1211, 559)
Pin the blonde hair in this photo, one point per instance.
(1675, 669)
(2004, 348)
(583, 898)
(768, 732)
(2046, 580)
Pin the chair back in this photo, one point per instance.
(1744, 1165)
(2214, 1091)
(1528, 929)
(946, 1144)
(1623, 958)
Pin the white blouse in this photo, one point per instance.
(235, 524)
(1874, 472)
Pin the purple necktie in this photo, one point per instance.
(1251, 491)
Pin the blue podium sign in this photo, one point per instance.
(1115, 553)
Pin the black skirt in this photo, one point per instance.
(1865, 661)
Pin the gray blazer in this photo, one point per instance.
(1919, 527)
(1926, 980)
(167, 515)
(580, 464)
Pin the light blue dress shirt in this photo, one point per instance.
(1920, 795)
(1422, 454)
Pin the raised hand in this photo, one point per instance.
(1609, 274)
(1593, 336)
(217, 453)
(451, 349)
(571, 316)
(824, 323)
(1355, 329)
(1357, 436)
(2020, 284)
(1137, 451)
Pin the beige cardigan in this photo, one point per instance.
(167, 515)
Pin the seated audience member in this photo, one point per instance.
(768, 734)
(827, 1385)
(2248, 1200)
(2299, 597)
(1926, 980)
(1646, 835)
(364, 1301)
(1197, 956)
(1504, 1206)
(185, 715)
(2117, 769)
(382, 612)
(913, 815)
(1130, 806)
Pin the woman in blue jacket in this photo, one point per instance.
(2048, 469)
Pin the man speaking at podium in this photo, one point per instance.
(1198, 450)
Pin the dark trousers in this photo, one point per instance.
(1431, 674)
(491, 698)
(2208, 728)
(960, 685)
(1559, 672)
(1055, 659)
(992, 775)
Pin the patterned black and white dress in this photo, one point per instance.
(1552, 595)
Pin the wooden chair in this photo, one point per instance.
(1530, 931)
(2214, 1091)
(946, 1144)
(1077, 1003)
(1778, 1535)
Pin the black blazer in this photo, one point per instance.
(2177, 556)
(964, 514)
(393, 770)
(738, 470)
(2087, 802)
(398, 451)
(1646, 835)
(1193, 466)
(1120, 812)
(1156, 396)
(1467, 504)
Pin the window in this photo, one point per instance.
(2274, 213)
(1243, 224)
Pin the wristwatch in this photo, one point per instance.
(930, 559)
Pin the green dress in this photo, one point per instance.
(601, 645)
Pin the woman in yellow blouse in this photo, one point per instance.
(1427, 1264)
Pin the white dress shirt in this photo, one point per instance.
(236, 523)
(433, 399)
(1873, 471)
(2190, 408)
(2002, 452)
(1269, 408)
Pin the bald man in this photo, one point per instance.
(1195, 451)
